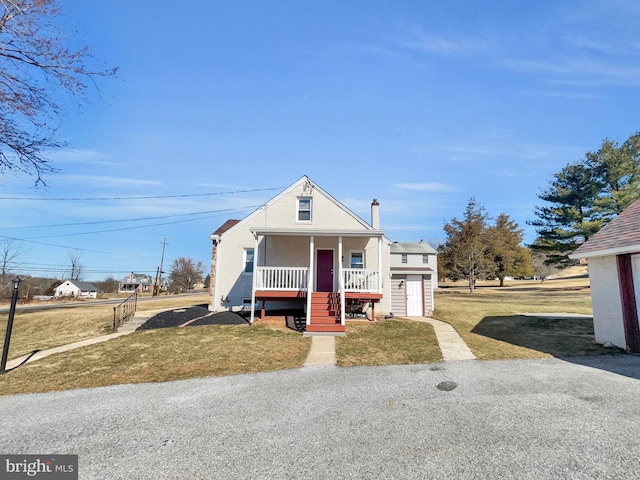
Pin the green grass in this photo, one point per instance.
(163, 355)
(388, 342)
(489, 320)
(42, 329)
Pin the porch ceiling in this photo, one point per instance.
(308, 232)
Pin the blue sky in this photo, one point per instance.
(218, 105)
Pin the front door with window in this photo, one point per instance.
(324, 276)
(414, 296)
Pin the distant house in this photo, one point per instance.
(140, 282)
(613, 255)
(75, 288)
(414, 275)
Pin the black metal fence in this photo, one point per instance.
(125, 310)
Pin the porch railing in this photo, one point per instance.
(360, 280)
(282, 278)
(125, 310)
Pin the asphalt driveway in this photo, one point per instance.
(531, 419)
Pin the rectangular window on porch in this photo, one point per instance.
(356, 260)
(304, 209)
(248, 261)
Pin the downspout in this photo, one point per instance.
(253, 278)
(341, 282)
(310, 279)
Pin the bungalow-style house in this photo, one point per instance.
(414, 275)
(302, 249)
(613, 255)
(139, 282)
(75, 288)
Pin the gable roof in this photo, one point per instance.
(303, 180)
(83, 286)
(412, 247)
(621, 235)
(225, 226)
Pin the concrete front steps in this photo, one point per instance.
(325, 313)
(137, 320)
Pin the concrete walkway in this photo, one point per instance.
(322, 351)
(451, 344)
(323, 348)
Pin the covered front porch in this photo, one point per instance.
(326, 273)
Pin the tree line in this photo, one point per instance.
(584, 196)
(580, 199)
(475, 249)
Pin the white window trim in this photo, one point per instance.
(425, 256)
(351, 252)
(297, 213)
(244, 261)
(404, 258)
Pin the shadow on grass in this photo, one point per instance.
(570, 339)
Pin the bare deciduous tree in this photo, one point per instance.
(185, 272)
(76, 268)
(37, 72)
(9, 255)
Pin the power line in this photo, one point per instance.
(139, 219)
(187, 195)
(119, 229)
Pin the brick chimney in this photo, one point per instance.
(375, 214)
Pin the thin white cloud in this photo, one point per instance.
(425, 187)
(77, 155)
(106, 181)
(441, 45)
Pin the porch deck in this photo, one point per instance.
(359, 285)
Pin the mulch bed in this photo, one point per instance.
(199, 314)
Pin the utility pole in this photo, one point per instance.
(159, 272)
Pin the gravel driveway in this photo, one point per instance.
(532, 419)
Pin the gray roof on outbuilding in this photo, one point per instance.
(412, 247)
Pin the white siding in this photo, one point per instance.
(607, 304)
(232, 286)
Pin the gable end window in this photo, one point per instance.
(248, 261)
(304, 209)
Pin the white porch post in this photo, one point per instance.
(254, 276)
(379, 264)
(341, 282)
(310, 279)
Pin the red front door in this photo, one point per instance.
(324, 267)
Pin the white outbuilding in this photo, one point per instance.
(613, 255)
(75, 288)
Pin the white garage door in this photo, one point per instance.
(414, 296)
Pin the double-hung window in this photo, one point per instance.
(248, 261)
(304, 209)
(356, 260)
(404, 258)
(425, 258)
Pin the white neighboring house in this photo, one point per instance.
(75, 288)
(613, 255)
(302, 249)
(414, 275)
